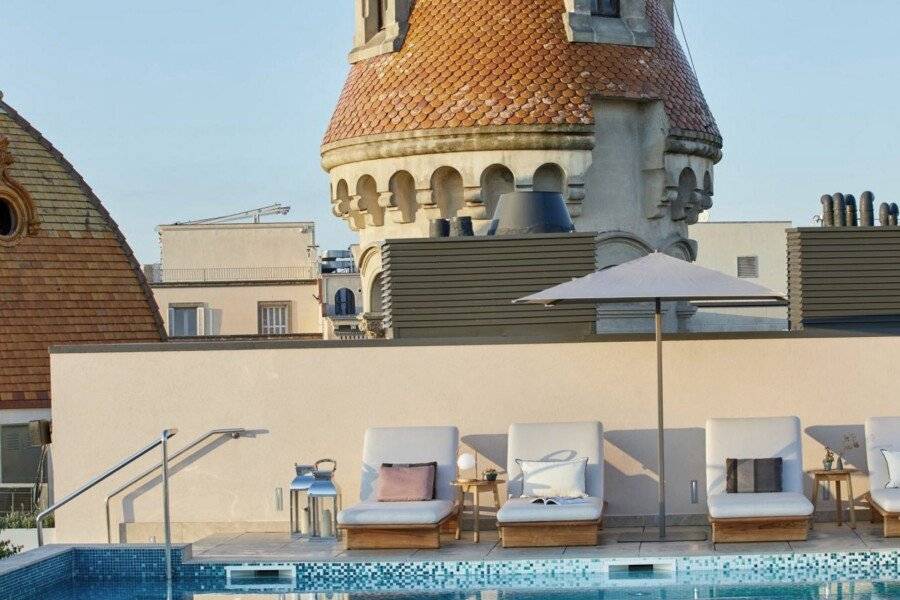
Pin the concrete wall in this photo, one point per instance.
(232, 309)
(306, 403)
(244, 245)
(720, 244)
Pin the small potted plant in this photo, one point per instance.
(829, 458)
(490, 475)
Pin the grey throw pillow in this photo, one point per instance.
(753, 475)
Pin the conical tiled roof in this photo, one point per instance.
(71, 279)
(469, 63)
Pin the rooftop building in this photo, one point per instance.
(450, 104)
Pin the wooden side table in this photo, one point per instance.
(838, 477)
(476, 487)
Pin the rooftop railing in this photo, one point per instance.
(232, 274)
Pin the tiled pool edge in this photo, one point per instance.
(52, 565)
(36, 570)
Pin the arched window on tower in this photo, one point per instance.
(382, 13)
(344, 302)
(605, 8)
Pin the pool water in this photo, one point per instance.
(629, 588)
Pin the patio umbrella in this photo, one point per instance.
(659, 278)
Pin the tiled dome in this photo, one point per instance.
(71, 280)
(469, 63)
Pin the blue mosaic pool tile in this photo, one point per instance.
(38, 576)
(147, 564)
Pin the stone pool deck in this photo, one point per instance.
(283, 547)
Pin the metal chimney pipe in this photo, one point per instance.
(827, 211)
(851, 211)
(439, 228)
(895, 212)
(840, 210)
(867, 209)
(884, 214)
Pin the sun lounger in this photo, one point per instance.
(756, 517)
(382, 525)
(522, 522)
(883, 433)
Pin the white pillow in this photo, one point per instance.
(544, 479)
(893, 462)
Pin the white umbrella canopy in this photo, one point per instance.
(657, 278)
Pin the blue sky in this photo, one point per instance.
(182, 110)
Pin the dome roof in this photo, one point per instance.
(71, 279)
(477, 63)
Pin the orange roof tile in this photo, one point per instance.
(508, 62)
(74, 280)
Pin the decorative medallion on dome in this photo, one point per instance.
(17, 216)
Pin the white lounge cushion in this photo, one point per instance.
(410, 445)
(743, 506)
(556, 442)
(767, 437)
(888, 499)
(522, 510)
(428, 512)
(564, 478)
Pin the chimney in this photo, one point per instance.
(867, 209)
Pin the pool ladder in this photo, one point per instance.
(161, 442)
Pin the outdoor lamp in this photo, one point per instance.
(466, 461)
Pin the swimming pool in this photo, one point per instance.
(138, 573)
(643, 590)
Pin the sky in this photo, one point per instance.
(174, 111)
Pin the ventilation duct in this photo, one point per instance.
(526, 213)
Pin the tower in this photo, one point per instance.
(451, 103)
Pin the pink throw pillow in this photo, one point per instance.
(405, 484)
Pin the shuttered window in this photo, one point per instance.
(184, 321)
(274, 318)
(748, 267)
(19, 461)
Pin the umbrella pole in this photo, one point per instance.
(661, 439)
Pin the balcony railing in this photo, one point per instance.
(227, 274)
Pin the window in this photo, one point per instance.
(8, 221)
(344, 302)
(19, 460)
(382, 14)
(185, 321)
(274, 318)
(748, 267)
(605, 8)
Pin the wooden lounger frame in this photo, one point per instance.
(891, 519)
(550, 534)
(396, 537)
(760, 529)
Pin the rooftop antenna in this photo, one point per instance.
(255, 214)
(687, 44)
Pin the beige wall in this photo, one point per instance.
(233, 309)
(313, 401)
(244, 245)
(720, 244)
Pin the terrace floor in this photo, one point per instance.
(283, 547)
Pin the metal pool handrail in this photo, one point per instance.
(162, 442)
(235, 432)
